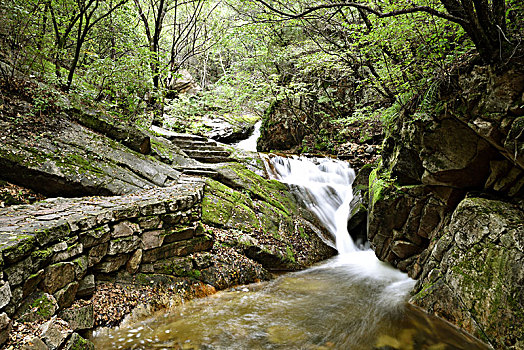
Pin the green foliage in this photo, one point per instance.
(335, 67)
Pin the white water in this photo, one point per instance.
(353, 301)
(250, 144)
(325, 187)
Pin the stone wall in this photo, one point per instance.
(54, 251)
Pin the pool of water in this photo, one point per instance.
(352, 301)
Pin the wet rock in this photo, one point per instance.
(75, 161)
(484, 257)
(5, 328)
(19, 272)
(58, 276)
(134, 262)
(39, 307)
(79, 318)
(229, 130)
(86, 287)
(97, 253)
(54, 333)
(66, 296)
(112, 264)
(124, 229)
(182, 82)
(5, 294)
(34, 343)
(95, 236)
(69, 253)
(126, 133)
(123, 245)
(77, 342)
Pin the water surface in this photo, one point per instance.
(350, 302)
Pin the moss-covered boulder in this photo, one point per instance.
(262, 220)
(68, 159)
(468, 256)
(475, 272)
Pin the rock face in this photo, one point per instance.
(182, 83)
(282, 129)
(71, 160)
(446, 203)
(484, 296)
(264, 221)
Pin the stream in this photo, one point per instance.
(352, 301)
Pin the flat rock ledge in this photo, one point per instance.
(57, 250)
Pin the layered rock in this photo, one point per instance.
(68, 159)
(474, 274)
(266, 223)
(444, 204)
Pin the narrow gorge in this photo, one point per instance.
(248, 174)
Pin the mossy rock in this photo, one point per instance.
(224, 207)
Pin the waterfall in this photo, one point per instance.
(352, 301)
(324, 185)
(250, 144)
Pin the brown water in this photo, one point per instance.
(350, 302)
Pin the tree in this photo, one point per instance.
(82, 16)
(483, 20)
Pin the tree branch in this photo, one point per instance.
(369, 9)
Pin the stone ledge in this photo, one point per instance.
(51, 246)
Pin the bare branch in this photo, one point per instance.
(366, 8)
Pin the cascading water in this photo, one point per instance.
(352, 301)
(324, 185)
(250, 144)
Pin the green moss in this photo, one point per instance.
(376, 186)
(44, 307)
(302, 232)
(290, 255)
(47, 234)
(81, 344)
(270, 191)
(24, 244)
(42, 254)
(163, 150)
(425, 291)
(223, 206)
(79, 262)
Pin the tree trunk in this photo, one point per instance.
(484, 24)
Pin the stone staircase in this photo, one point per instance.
(206, 152)
(201, 148)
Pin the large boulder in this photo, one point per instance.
(68, 159)
(468, 147)
(483, 295)
(263, 220)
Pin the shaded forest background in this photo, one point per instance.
(333, 66)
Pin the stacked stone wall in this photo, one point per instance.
(56, 250)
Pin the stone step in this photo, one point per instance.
(185, 137)
(194, 144)
(203, 148)
(189, 179)
(213, 159)
(194, 153)
(200, 172)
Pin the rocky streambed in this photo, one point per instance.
(138, 222)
